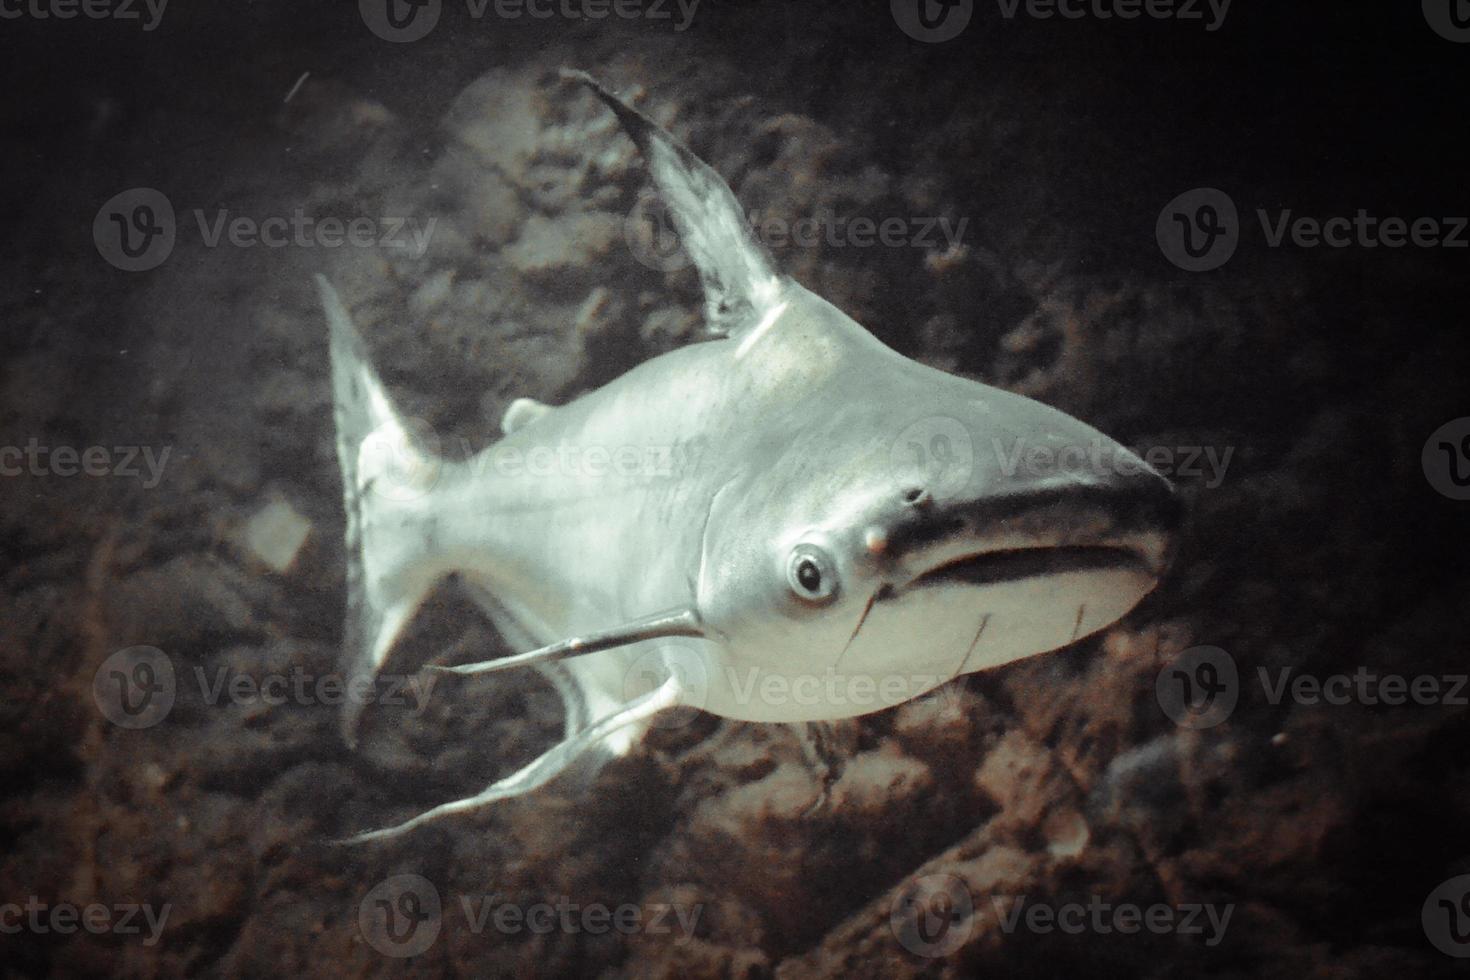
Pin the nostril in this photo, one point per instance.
(916, 496)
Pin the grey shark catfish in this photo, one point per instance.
(824, 534)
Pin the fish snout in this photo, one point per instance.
(1116, 496)
(1011, 566)
(1107, 509)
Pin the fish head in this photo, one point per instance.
(906, 526)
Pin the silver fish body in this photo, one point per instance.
(790, 523)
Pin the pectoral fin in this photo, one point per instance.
(521, 413)
(679, 622)
(740, 281)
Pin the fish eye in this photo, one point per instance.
(811, 573)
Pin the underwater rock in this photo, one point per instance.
(275, 534)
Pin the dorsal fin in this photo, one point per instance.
(740, 281)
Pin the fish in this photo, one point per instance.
(785, 522)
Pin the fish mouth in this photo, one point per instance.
(1017, 564)
(1126, 530)
(981, 604)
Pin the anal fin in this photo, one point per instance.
(545, 768)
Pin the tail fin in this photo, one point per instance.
(387, 474)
